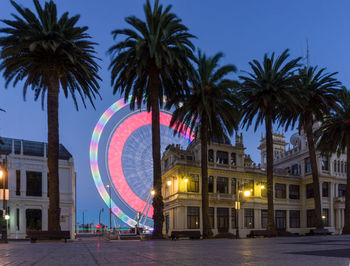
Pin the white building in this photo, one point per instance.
(230, 171)
(28, 186)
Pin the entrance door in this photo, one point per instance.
(222, 219)
(33, 218)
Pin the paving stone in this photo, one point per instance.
(323, 250)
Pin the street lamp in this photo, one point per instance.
(246, 193)
(110, 207)
(99, 216)
(4, 220)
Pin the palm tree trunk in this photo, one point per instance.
(207, 233)
(314, 170)
(346, 228)
(52, 155)
(158, 217)
(269, 175)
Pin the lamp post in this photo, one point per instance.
(110, 207)
(99, 216)
(246, 193)
(4, 216)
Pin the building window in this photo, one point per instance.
(280, 219)
(249, 218)
(338, 163)
(17, 220)
(325, 163)
(233, 218)
(48, 184)
(211, 184)
(310, 218)
(325, 189)
(221, 157)
(167, 223)
(325, 217)
(211, 217)
(166, 162)
(193, 217)
(307, 165)
(295, 169)
(233, 159)
(294, 219)
(342, 167)
(341, 190)
(294, 192)
(249, 185)
(280, 191)
(263, 218)
(222, 185)
(189, 158)
(233, 186)
(346, 167)
(33, 218)
(309, 190)
(193, 183)
(335, 165)
(34, 184)
(210, 156)
(18, 182)
(222, 219)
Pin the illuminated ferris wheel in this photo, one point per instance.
(121, 156)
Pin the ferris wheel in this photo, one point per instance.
(121, 156)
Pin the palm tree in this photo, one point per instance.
(211, 111)
(334, 136)
(151, 62)
(267, 94)
(50, 55)
(318, 90)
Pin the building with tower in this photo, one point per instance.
(237, 187)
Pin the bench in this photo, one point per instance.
(319, 232)
(191, 234)
(264, 233)
(48, 235)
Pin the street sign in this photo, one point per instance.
(237, 205)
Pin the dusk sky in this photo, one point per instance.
(242, 30)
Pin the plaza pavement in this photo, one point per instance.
(317, 250)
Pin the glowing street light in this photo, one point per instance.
(247, 193)
(1, 173)
(186, 180)
(169, 183)
(7, 217)
(262, 187)
(153, 192)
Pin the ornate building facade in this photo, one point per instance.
(27, 183)
(237, 188)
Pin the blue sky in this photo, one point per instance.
(242, 30)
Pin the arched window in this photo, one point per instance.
(335, 166)
(210, 156)
(233, 159)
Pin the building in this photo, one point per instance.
(232, 172)
(28, 186)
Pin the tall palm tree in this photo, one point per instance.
(50, 55)
(334, 136)
(267, 94)
(318, 90)
(211, 111)
(152, 61)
